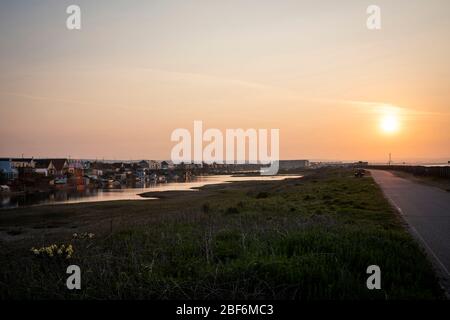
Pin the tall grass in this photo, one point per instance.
(310, 238)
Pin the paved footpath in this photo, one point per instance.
(427, 211)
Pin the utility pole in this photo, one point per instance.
(390, 158)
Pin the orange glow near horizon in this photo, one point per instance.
(118, 88)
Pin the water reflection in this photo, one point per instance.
(124, 193)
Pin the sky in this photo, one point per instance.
(137, 70)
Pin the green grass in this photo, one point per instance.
(310, 238)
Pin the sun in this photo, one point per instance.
(389, 123)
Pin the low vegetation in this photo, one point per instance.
(309, 238)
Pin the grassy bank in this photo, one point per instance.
(438, 182)
(308, 238)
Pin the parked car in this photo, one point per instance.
(360, 173)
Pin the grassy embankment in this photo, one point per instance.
(309, 238)
(441, 183)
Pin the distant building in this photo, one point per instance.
(185, 166)
(294, 164)
(143, 164)
(116, 166)
(22, 162)
(45, 167)
(122, 177)
(141, 173)
(95, 170)
(164, 165)
(154, 165)
(7, 171)
(61, 166)
(86, 164)
(75, 167)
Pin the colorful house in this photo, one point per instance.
(7, 170)
(45, 167)
(61, 166)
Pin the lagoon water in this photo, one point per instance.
(93, 195)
